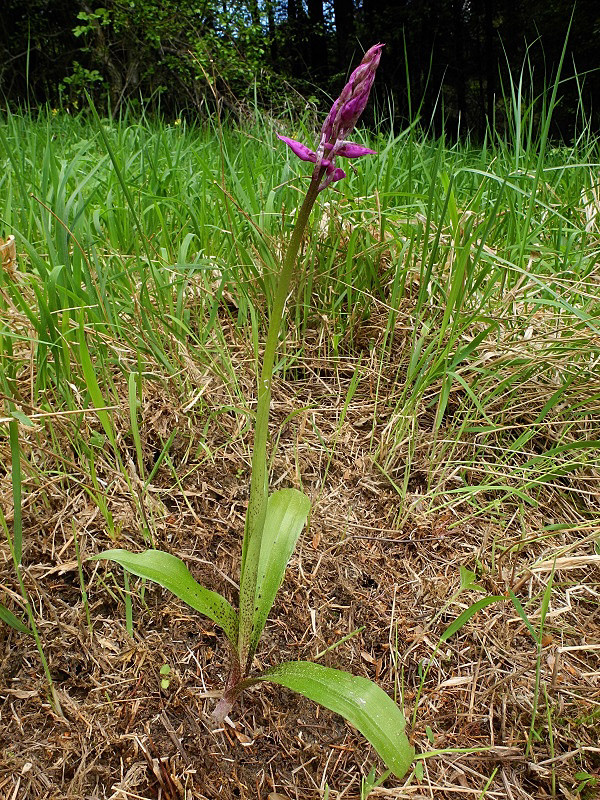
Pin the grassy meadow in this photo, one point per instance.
(437, 396)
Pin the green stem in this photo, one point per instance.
(257, 504)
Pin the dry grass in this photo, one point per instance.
(123, 737)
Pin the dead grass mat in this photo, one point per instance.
(123, 737)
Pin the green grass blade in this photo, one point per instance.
(94, 389)
(134, 403)
(521, 612)
(14, 622)
(161, 457)
(463, 618)
(128, 604)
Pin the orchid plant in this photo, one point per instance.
(274, 522)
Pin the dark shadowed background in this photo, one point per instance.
(451, 63)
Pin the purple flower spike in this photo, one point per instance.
(342, 118)
(351, 103)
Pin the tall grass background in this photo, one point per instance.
(479, 295)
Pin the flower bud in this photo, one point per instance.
(351, 103)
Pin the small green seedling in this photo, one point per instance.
(371, 781)
(587, 784)
(165, 671)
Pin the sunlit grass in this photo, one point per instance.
(455, 286)
(475, 299)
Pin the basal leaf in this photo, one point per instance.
(171, 573)
(14, 622)
(287, 510)
(364, 704)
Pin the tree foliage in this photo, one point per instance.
(449, 61)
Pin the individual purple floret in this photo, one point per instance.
(340, 121)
